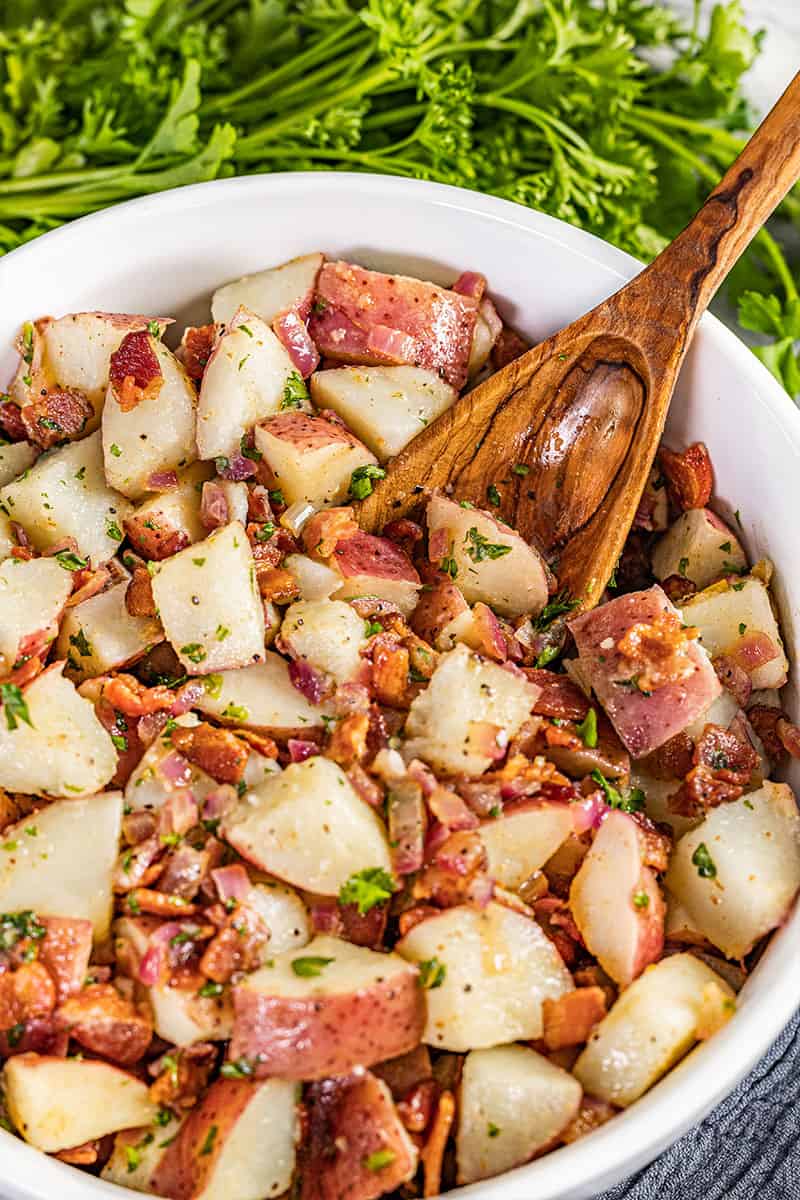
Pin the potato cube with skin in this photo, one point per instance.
(170, 521)
(464, 718)
(60, 862)
(375, 566)
(310, 458)
(238, 1143)
(100, 635)
(652, 1025)
(737, 873)
(284, 913)
(32, 598)
(643, 719)
(328, 634)
(243, 383)
(488, 560)
(208, 602)
(513, 1103)
(308, 827)
(737, 620)
(357, 1144)
(137, 1153)
(315, 580)
(65, 495)
(61, 749)
(487, 973)
(15, 458)
(523, 839)
(699, 546)
(262, 697)
(325, 1010)
(616, 901)
(385, 406)
(156, 434)
(58, 1103)
(272, 292)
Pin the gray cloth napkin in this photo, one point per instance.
(746, 1149)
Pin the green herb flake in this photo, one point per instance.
(682, 567)
(120, 741)
(432, 973)
(479, 548)
(310, 966)
(208, 1144)
(630, 801)
(115, 450)
(587, 730)
(493, 496)
(212, 685)
(559, 606)
(704, 862)
(295, 392)
(70, 561)
(14, 705)
(641, 900)
(266, 531)
(521, 469)
(113, 530)
(194, 652)
(361, 480)
(367, 888)
(210, 989)
(242, 1068)
(493, 1130)
(235, 712)
(154, 329)
(199, 562)
(742, 628)
(379, 1159)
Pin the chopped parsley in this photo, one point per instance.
(236, 712)
(208, 1144)
(704, 862)
(154, 329)
(521, 469)
(210, 989)
(493, 1130)
(631, 801)
(242, 1068)
(194, 652)
(641, 900)
(113, 530)
(295, 392)
(212, 685)
(372, 627)
(15, 706)
(70, 561)
(120, 741)
(561, 604)
(493, 496)
(726, 546)
(432, 973)
(361, 480)
(222, 632)
(587, 730)
(742, 628)
(379, 1159)
(265, 531)
(115, 450)
(249, 451)
(682, 566)
(16, 926)
(480, 548)
(367, 888)
(310, 966)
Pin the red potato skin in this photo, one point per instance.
(187, 1166)
(436, 609)
(350, 1119)
(644, 722)
(308, 433)
(365, 554)
(309, 1039)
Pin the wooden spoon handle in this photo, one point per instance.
(690, 270)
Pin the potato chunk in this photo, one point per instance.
(738, 871)
(65, 495)
(738, 621)
(311, 459)
(328, 634)
(262, 697)
(463, 719)
(64, 868)
(243, 383)
(155, 436)
(700, 547)
(308, 826)
(513, 1103)
(490, 972)
(57, 1103)
(653, 1024)
(385, 406)
(64, 750)
(15, 458)
(100, 635)
(523, 839)
(270, 292)
(209, 604)
(170, 521)
(32, 598)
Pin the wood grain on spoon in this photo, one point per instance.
(584, 411)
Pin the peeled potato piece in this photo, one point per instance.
(32, 598)
(57, 1103)
(170, 521)
(270, 292)
(652, 1025)
(730, 617)
(262, 697)
(100, 635)
(60, 862)
(522, 840)
(308, 826)
(238, 1143)
(512, 1103)
(65, 495)
(64, 750)
(327, 634)
(209, 603)
(750, 864)
(311, 459)
(700, 547)
(138, 1152)
(15, 458)
(498, 967)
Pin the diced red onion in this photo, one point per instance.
(588, 813)
(149, 727)
(232, 883)
(187, 696)
(238, 468)
(213, 506)
(308, 681)
(366, 787)
(175, 769)
(219, 802)
(162, 481)
(300, 750)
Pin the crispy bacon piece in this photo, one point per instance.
(134, 370)
(182, 1075)
(262, 744)
(559, 696)
(105, 1022)
(432, 1154)
(509, 345)
(734, 677)
(390, 675)
(237, 947)
(322, 531)
(417, 1107)
(11, 422)
(570, 1019)
(84, 1155)
(56, 416)
(673, 760)
(160, 904)
(764, 719)
(591, 1115)
(753, 650)
(348, 741)
(65, 950)
(196, 346)
(276, 584)
(25, 994)
(129, 696)
(679, 588)
(724, 763)
(218, 752)
(457, 874)
(404, 533)
(656, 652)
(690, 476)
(139, 594)
(789, 736)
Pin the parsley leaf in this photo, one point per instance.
(367, 888)
(15, 706)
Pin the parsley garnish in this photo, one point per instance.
(493, 496)
(432, 973)
(295, 392)
(113, 530)
(480, 548)
(367, 888)
(632, 801)
(361, 480)
(208, 1144)
(194, 652)
(15, 706)
(70, 561)
(587, 730)
(704, 862)
(560, 604)
(310, 966)
(242, 1068)
(379, 1159)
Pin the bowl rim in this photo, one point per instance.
(711, 1071)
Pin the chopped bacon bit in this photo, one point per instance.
(415, 916)
(139, 594)
(65, 950)
(404, 533)
(701, 790)
(218, 752)
(56, 416)
(84, 1155)
(457, 874)
(789, 737)
(196, 346)
(390, 675)
(262, 744)
(105, 1022)
(690, 477)
(160, 904)
(348, 741)
(129, 696)
(570, 1019)
(134, 371)
(764, 718)
(657, 652)
(432, 1153)
(734, 677)
(560, 735)
(11, 421)
(276, 584)
(673, 760)
(237, 947)
(322, 531)
(508, 347)
(753, 650)
(595, 976)
(25, 994)
(182, 1075)
(678, 588)
(724, 763)
(559, 696)
(591, 1115)
(451, 810)
(88, 583)
(291, 330)
(417, 1107)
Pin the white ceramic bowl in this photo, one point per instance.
(165, 254)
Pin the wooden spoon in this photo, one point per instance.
(584, 410)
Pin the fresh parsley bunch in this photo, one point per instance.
(611, 114)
